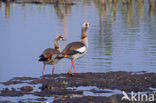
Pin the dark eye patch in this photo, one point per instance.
(60, 37)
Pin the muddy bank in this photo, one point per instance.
(97, 87)
(100, 99)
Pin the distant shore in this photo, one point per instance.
(68, 2)
(72, 88)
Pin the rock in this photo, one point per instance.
(26, 88)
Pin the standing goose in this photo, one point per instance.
(49, 54)
(76, 50)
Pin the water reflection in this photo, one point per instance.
(152, 7)
(141, 9)
(101, 5)
(121, 37)
(129, 6)
(0, 3)
(7, 10)
(62, 8)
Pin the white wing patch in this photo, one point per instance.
(82, 49)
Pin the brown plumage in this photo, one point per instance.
(72, 47)
(76, 50)
(49, 54)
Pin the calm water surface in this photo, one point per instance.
(122, 37)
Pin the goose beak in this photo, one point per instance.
(89, 23)
(64, 39)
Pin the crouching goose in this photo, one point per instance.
(76, 50)
(49, 54)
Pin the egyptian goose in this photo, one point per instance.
(49, 54)
(76, 50)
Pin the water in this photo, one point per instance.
(122, 37)
(87, 91)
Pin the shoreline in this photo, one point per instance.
(96, 87)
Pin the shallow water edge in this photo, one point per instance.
(93, 87)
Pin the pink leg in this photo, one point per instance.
(53, 68)
(43, 69)
(74, 67)
(70, 69)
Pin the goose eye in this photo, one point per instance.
(60, 37)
